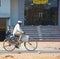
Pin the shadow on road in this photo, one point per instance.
(25, 51)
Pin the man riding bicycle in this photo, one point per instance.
(19, 36)
(18, 32)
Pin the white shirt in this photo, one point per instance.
(17, 28)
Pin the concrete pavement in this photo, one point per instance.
(43, 47)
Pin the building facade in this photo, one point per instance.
(35, 14)
(30, 12)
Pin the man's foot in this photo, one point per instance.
(16, 46)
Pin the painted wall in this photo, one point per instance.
(14, 12)
(21, 10)
(5, 7)
(17, 11)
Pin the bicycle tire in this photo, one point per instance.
(30, 46)
(7, 47)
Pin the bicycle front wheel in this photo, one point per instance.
(8, 46)
(30, 46)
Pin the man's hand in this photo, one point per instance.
(23, 33)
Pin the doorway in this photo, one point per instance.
(2, 29)
(45, 14)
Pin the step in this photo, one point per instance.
(45, 38)
(46, 32)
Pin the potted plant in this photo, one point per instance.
(54, 20)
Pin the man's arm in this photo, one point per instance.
(20, 30)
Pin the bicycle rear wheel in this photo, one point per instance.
(30, 46)
(8, 46)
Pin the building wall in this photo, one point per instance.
(5, 7)
(14, 12)
(17, 11)
(21, 10)
(5, 10)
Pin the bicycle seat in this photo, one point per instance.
(10, 35)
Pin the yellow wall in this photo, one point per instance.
(2, 24)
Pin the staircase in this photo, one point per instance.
(49, 32)
(31, 31)
(38, 33)
(42, 32)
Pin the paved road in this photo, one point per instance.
(43, 47)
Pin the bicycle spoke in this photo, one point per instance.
(30, 45)
(8, 46)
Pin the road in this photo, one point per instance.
(43, 47)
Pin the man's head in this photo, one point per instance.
(19, 22)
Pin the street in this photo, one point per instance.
(42, 47)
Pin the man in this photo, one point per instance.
(18, 32)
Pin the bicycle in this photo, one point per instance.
(10, 42)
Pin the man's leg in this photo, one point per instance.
(20, 39)
(17, 43)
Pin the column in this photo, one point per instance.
(59, 14)
(21, 10)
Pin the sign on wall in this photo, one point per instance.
(40, 1)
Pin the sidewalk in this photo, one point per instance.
(41, 46)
